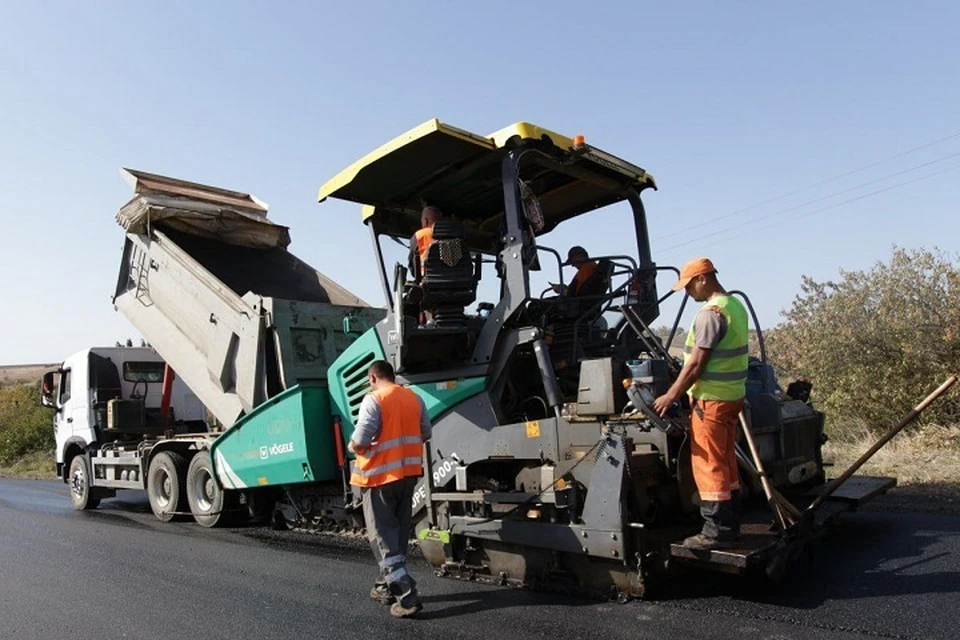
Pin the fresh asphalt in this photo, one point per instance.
(117, 572)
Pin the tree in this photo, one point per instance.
(663, 332)
(25, 426)
(876, 342)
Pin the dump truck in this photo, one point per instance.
(547, 468)
(105, 399)
(240, 320)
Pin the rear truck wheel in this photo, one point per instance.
(166, 480)
(208, 501)
(81, 493)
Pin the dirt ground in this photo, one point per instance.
(23, 374)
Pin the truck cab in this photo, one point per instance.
(109, 394)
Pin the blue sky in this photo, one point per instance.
(732, 106)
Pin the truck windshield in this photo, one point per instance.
(145, 371)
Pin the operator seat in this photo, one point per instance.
(449, 283)
(576, 327)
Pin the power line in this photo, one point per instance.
(826, 208)
(820, 199)
(822, 182)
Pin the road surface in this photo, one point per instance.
(117, 572)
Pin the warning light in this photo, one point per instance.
(579, 141)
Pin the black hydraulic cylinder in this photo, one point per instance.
(542, 354)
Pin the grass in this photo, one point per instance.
(36, 465)
(917, 455)
(925, 460)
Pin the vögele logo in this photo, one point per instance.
(278, 449)
(275, 450)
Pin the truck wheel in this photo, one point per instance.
(81, 494)
(208, 502)
(166, 480)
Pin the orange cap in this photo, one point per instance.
(694, 268)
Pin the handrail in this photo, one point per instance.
(756, 323)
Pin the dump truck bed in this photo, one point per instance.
(209, 282)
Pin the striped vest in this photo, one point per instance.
(396, 453)
(725, 376)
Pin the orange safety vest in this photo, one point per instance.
(424, 238)
(396, 453)
(586, 270)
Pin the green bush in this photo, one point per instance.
(25, 426)
(876, 342)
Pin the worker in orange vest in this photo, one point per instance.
(392, 426)
(420, 242)
(577, 257)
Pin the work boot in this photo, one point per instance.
(720, 519)
(381, 593)
(700, 542)
(408, 600)
(407, 605)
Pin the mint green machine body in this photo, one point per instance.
(348, 384)
(291, 439)
(288, 439)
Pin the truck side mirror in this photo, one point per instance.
(48, 388)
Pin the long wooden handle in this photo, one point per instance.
(784, 518)
(892, 431)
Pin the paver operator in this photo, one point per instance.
(577, 257)
(392, 426)
(714, 374)
(420, 242)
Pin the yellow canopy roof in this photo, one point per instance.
(460, 172)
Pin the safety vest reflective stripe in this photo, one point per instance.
(390, 466)
(396, 442)
(723, 353)
(395, 575)
(724, 375)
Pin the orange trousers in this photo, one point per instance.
(713, 428)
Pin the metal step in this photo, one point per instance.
(760, 540)
(858, 490)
